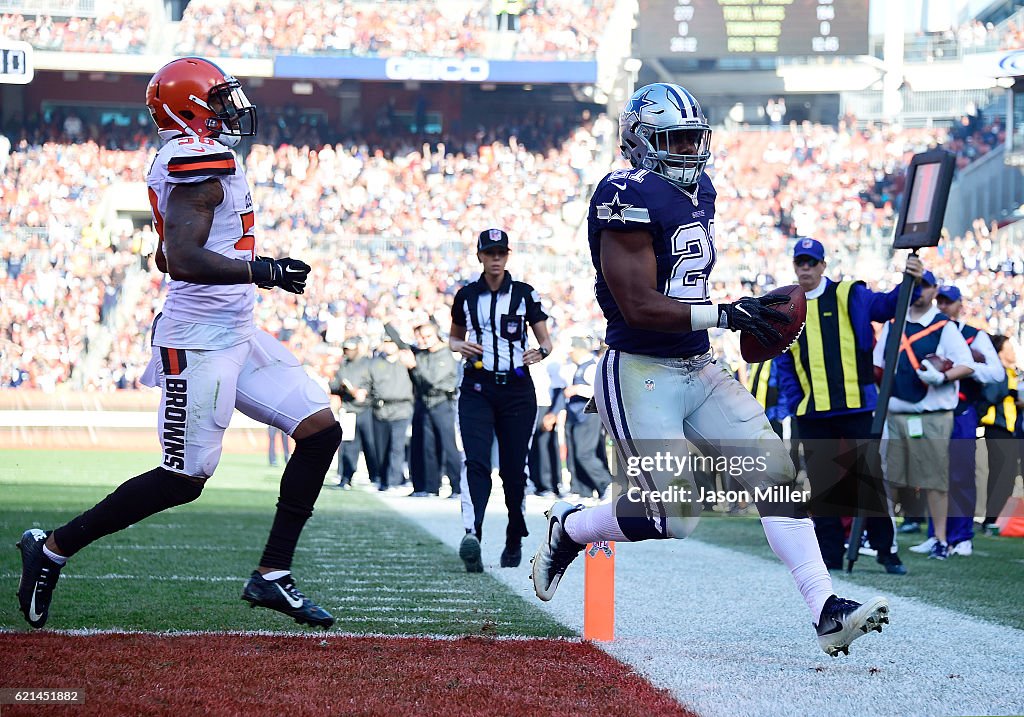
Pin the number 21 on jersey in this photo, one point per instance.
(693, 247)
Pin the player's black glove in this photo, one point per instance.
(753, 315)
(287, 273)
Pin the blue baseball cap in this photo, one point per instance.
(805, 246)
(929, 278)
(949, 292)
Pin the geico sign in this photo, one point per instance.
(428, 68)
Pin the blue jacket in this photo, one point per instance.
(866, 306)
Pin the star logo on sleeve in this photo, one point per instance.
(616, 209)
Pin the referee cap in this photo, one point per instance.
(491, 239)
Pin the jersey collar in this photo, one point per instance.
(506, 284)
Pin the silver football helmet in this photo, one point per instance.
(663, 129)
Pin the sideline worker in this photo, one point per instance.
(826, 380)
(497, 397)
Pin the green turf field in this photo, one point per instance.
(184, 569)
(982, 585)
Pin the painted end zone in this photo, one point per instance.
(256, 674)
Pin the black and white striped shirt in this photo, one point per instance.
(497, 320)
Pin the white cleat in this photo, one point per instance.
(843, 621)
(964, 548)
(556, 552)
(925, 547)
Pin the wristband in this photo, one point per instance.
(260, 272)
(543, 352)
(703, 317)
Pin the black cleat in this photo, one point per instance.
(39, 576)
(556, 552)
(283, 596)
(512, 555)
(843, 621)
(469, 551)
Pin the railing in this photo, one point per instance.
(527, 250)
(919, 109)
(948, 47)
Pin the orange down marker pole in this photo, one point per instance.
(599, 592)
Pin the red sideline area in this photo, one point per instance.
(245, 675)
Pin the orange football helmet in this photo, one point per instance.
(196, 97)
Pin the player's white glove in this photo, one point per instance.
(752, 314)
(287, 273)
(931, 375)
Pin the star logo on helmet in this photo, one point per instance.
(639, 104)
(616, 209)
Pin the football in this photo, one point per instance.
(754, 351)
(941, 363)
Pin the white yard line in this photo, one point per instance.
(728, 634)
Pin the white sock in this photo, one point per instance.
(594, 524)
(793, 540)
(59, 559)
(275, 574)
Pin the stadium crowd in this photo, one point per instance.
(124, 28)
(549, 29)
(389, 226)
(541, 29)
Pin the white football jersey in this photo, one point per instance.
(205, 315)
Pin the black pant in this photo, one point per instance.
(389, 439)
(545, 458)
(845, 472)
(433, 444)
(1004, 456)
(361, 441)
(589, 473)
(507, 411)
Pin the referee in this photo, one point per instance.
(497, 397)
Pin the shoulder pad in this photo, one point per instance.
(188, 158)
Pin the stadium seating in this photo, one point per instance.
(390, 229)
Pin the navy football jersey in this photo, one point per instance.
(682, 228)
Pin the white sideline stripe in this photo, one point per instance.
(387, 598)
(307, 634)
(727, 633)
(230, 579)
(226, 548)
(427, 608)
